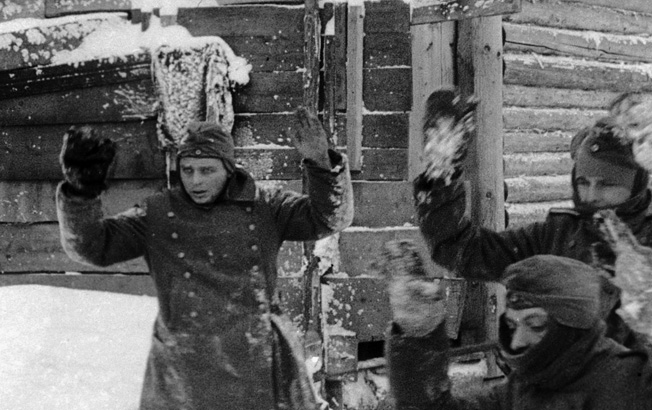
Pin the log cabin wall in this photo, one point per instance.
(565, 60)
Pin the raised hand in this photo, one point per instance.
(447, 126)
(310, 138)
(85, 160)
(633, 271)
(417, 299)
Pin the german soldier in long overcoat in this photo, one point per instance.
(211, 246)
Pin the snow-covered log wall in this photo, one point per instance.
(565, 60)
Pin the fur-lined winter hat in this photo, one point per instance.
(599, 151)
(567, 289)
(208, 140)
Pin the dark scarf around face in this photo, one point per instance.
(556, 360)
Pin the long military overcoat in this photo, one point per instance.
(219, 340)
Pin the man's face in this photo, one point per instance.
(600, 192)
(203, 178)
(527, 326)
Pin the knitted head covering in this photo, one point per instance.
(598, 151)
(567, 289)
(208, 140)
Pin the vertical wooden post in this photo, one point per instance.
(433, 67)
(354, 79)
(480, 55)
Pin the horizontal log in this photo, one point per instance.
(387, 16)
(27, 153)
(56, 8)
(533, 141)
(642, 6)
(34, 9)
(578, 16)
(549, 119)
(387, 89)
(462, 9)
(387, 50)
(379, 129)
(539, 189)
(537, 164)
(35, 248)
(527, 213)
(593, 45)
(522, 96)
(563, 72)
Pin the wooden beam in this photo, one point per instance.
(462, 9)
(432, 68)
(57, 8)
(354, 84)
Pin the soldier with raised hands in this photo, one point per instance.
(211, 244)
(605, 176)
(551, 335)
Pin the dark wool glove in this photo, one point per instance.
(447, 126)
(85, 160)
(310, 138)
(417, 299)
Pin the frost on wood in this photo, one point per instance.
(633, 272)
(633, 113)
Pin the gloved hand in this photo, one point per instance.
(310, 138)
(417, 300)
(447, 126)
(85, 160)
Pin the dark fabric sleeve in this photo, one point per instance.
(327, 207)
(418, 374)
(88, 237)
(461, 246)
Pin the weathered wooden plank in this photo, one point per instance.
(34, 248)
(539, 189)
(549, 119)
(578, 16)
(433, 67)
(537, 164)
(56, 8)
(386, 50)
(124, 101)
(33, 201)
(560, 72)
(24, 9)
(537, 141)
(600, 46)
(642, 6)
(54, 78)
(524, 214)
(354, 84)
(379, 204)
(138, 155)
(387, 89)
(462, 9)
(521, 96)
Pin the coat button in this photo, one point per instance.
(193, 314)
(175, 235)
(255, 268)
(252, 227)
(191, 294)
(248, 209)
(198, 152)
(254, 248)
(181, 255)
(170, 214)
(186, 275)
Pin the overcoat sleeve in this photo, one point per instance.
(327, 207)
(418, 375)
(89, 237)
(464, 247)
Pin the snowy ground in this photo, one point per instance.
(65, 349)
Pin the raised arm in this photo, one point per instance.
(86, 235)
(327, 206)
